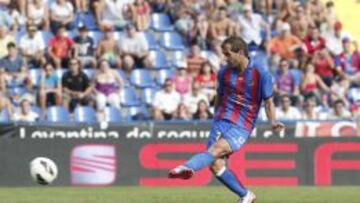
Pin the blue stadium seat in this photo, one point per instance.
(4, 116)
(57, 114)
(178, 56)
(112, 114)
(88, 20)
(137, 113)
(96, 36)
(72, 33)
(60, 72)
(128, 97)
(16, 91)
(151, 40)
(47, 36)
(35, 75)
(90, 73)
(147, 95)
(124, 77)
(171, 41)
(141, 78)
(159, 59)
(38, 110)
(162, 75)
(161, 22)
(84, 114)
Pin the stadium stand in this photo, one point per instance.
(170, 31)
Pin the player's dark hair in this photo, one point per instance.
(339, 101)
(237, 44)
(11, 45)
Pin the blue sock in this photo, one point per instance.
(227, 178)
(200, 161)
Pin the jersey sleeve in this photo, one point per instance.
(267, 84)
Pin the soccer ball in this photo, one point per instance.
(43, 170)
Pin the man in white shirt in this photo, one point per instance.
(339, 112)
(286, 111)
(251, 25)
(192, 99)
(25, 114)
(112, 13)
(32, 47)
(334, 39)
(166, 102)
(134, 44)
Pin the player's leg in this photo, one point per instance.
(229, 179)
(218, 147)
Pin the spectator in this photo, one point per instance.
(203, 112)
(185, 22)
(5, 19)
(50, 87)
(5, 39)
(107, 84)
(191, 99)
(13, 62)
(334, 38)
(32, 47)
(311, 83)
(17, 18)
(309, 112)
(141, 14)
(207, 80)
(286, 10)
(348, 61)
(128, 65)
(324, 66)
(84, 48)
(76, 86)
(135, 45)
(251, 25)
(182, 112)
(82, 6)
(111, 14)
(195, 60)
(330, 15)
(199, 32)
(3, 82)
(313, 41)
(107, 49)
(339, 112)
(38, 14)
(61, 15)
(182, 79)
(234, 7)
(159, 6)
(286, 111)
(300, 22)
(285, 44)
(166, 102)
(60, 48)
(5, 104)
(221, 26)
(25, 114)
(285, 83)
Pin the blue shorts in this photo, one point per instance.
(235, 135)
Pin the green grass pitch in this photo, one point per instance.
(176, 195)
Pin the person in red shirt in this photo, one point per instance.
(313, 41)
(60, 48)
(207, 80)
(324, 66)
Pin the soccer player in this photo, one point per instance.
(242, 86)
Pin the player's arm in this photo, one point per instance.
(270, 114)
(267, 95)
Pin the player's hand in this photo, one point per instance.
(277, 126)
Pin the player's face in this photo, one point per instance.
(234, 59)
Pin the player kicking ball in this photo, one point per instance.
(242, 86)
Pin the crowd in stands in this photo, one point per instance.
(158, 59)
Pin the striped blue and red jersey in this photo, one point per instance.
(242, 94)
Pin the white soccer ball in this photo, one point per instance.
(43, 170)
